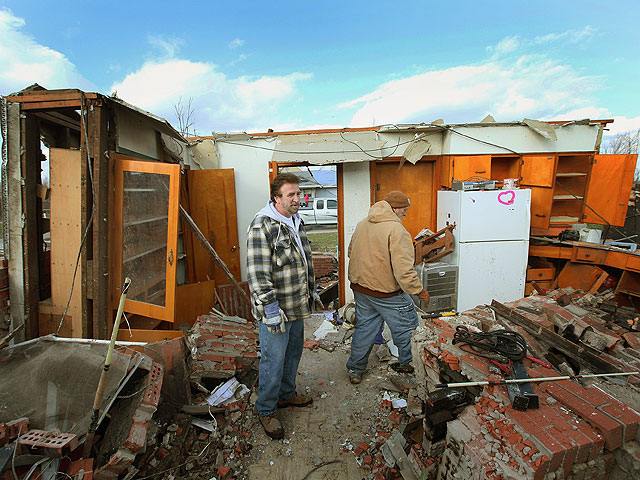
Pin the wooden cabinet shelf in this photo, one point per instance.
(573, 174)
(161, 246)
(567, 197)
(563, 219)
(145, 220)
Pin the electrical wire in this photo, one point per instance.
(93, 208)
(292, 152)
(451, 129)
(503, 343)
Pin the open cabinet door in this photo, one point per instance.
(146, 236)
(609, 188)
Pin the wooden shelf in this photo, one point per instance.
(563, 219)
(576, 174)
(567, 197)
(140, 190)
(146, 252)
(145, 220)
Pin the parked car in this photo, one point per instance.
(320, 211)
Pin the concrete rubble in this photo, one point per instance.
(582, 429)
(162, 421)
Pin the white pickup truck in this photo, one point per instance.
(320, 211)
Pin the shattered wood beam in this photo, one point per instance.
(547, 335)
(209, 248)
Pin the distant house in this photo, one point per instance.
(316, 183)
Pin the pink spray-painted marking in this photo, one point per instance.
(507, 194)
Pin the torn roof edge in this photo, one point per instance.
(388, 128)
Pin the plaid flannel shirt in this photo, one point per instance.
(276, 269)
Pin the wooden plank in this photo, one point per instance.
(149, 336)
(101, 322)
(609, 188)
(194, 299)
(547, 335)
(66, 235)
(598, 283)
(212, 199)
(538, 170)
(50, 96)
(342, 248)
(31, 166)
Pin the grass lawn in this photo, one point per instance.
(323, 241)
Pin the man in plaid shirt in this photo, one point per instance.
(281, 281)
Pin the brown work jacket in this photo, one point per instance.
(381, 253)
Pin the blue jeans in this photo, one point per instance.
(280, 356)
(398, 312)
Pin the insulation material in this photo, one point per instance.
(204, 155)
(417, 149)
(543, 128)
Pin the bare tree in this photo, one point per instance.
(186, 117)
(627, 142)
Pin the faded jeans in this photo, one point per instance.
(398, 312)
(280, 356)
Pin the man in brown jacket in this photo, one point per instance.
(381, 273)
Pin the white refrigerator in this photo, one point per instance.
(491, 243)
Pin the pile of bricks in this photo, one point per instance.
(324, 264)
(577, 431)
(136, 439)
(221, 346)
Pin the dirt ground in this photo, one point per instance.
(320, 440)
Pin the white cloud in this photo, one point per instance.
(169, 46)
(622, 124)
(531, 86)
(235, 43)
(219, 102)
(571, 36)
(23, 61)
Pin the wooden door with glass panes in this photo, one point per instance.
(146, 236)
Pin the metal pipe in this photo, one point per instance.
(532, 380)
(97, 401)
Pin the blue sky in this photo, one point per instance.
(295, 65)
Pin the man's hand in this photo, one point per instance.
(317, 303)
(424, 296)
(274, 318)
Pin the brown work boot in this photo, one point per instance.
(298, 400)
(354, 378)
(272, 426)
(402, 367)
